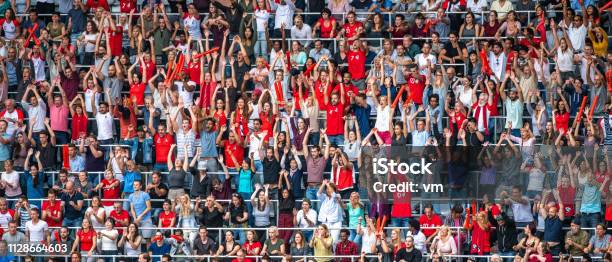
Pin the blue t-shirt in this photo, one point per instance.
(77, 164)
(591, 199)
(34, 191)
(5, 149)
(208, 144)
(363, 118)
(159, 251)
(128, 181)
(139, 201)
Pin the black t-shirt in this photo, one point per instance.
(139, 153)
(236, 212)
(69, 211)
(176, 178)
(201, 186)
(409, 256)
(154, 195)
(452, 51)
(271, 169)
(48, 157)
(210, 218)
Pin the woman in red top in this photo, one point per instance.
(79, 118)
(396, 239)
(138, 85)
(85, 239)
(220, 105)
(110, 190)
(539, 254)
(326, 25)
(240, 117)
(342, 174)
(491, 26)
(267, 115)
(481, 233)
(167, 218)
(251, 246)
(561, 116)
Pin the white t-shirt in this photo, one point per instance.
(89, 47)
(185, 95)
(261, 17)
(105, 125)
(583, 69)
(421, 61)
(12, 179)
(94, 222)
(107, 243)
(312, 216)
(37, 231)
(10, 29)
(522, 212)
(254, 144)
(89, 94)
(498, 64)
(193, 27)
(577, 36)
(565, 60)
(382, 118)
(367, 240)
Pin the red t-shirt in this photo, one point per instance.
(250, 248)
(93, 4)
(125, 6)
(79, 125)
(86, 239)
(55, 209)
(562, 121)
(344, 178)
(150, 67)
(335, 122)
(116, 41)
(326, 29)
(547, 258)
(166, 218)
(193, 68)
(434, 221)
(220, 117)
(349, 89)
(267, 123)
(123, 216)
(319, 92)
(416, 87)
(351, 30)
(356, 64)
(162, 147)
(233, 149)
(242, 127)
(206, 94)
(481, 243)
(110, 193)
(401, 200)
(567, 195)
(138, 90)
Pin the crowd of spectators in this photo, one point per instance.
(245, 130)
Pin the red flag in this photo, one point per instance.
(486, 68)
(288, 60)
(32, 35)
(541, 28)
(65, 157)
(427, 25)
(210, 51)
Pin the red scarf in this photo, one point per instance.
(484, 110)
(278, 89)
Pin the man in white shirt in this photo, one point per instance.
(497, 60)
(577, 32)
(104, 123)
(301, 32)
(284, 15)
(425, 60)
(36, 230)
(306, 218)
(37, 109)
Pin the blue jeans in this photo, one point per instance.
(61, 137)
(74, 222)
(336, 140)
(162, 167)
(261, 45)
(356, 238)
(401, 222)
(589, 220)
(259, 172)
(240, 236)
(311, 193)
(508, 253)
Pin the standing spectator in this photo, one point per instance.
(322, 244)
(72, 203)
(140, 209)
(36, 230)
(330, 212)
